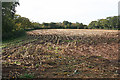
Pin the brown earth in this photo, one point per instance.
(63, 53)
(73, 32)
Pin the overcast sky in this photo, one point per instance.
(83, 11)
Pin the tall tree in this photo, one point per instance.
(8, 12)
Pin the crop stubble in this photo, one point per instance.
(64, 53)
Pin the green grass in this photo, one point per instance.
(27, 76)
(15, 41)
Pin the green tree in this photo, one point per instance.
(22, 22)
(8, 23)
(103, 23)
(79, 25)
(93, 25)
(67, 24)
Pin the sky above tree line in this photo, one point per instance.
(83, 11)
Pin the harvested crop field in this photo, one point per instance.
(63, 53)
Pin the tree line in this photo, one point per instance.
(108, 23)
(14, 25)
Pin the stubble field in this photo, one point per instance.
(62, 53)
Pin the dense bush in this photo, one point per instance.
(12, 35)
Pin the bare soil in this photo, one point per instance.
(63, 53)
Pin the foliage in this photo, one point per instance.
(12, 25)
(8, 12)
(9, 27)
(22, 22)
(108, 23)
